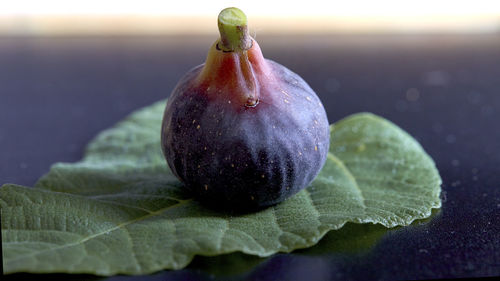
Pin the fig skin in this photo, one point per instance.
(242, 132)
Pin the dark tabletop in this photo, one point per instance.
(56, 94)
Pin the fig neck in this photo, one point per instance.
(237, 76)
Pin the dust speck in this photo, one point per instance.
(412, 94)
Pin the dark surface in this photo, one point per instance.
(57, 93)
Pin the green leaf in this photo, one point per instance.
(120, 209)
(352, 238)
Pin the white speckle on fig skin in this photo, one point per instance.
(285, 93)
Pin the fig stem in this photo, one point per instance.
(234, 36)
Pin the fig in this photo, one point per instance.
(240, 131)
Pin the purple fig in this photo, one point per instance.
(241, 131)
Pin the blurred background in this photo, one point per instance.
(161, 17)
(87, 64)
(70, 69)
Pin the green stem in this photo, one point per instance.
(233, 30)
